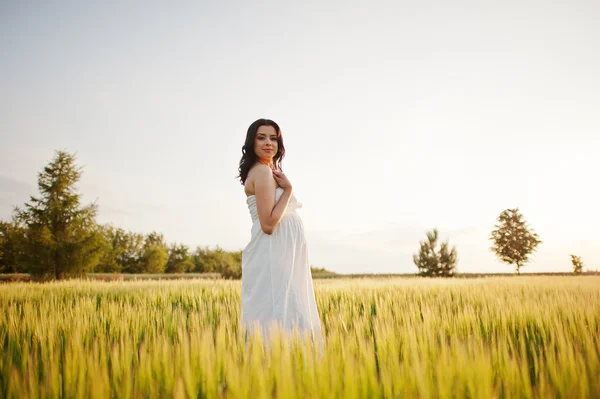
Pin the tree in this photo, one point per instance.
(153, 251)
(108, 262)
(179, 259)
(155, 239)
(133, 249)
(155, 259)
(206, 260)
(228, 264)
(124, 251)
(577, 264)
(12, 244)
(4, 241)
(513, 240)
(316, 271)
(232, 266)
(62, 237)
(432, 263)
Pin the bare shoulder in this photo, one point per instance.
(259, 174)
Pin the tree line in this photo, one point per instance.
(108, 250)
(53, 236)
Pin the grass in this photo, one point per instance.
(385, 337)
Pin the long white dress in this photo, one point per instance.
(277, 287)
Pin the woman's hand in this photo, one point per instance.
(282, 180)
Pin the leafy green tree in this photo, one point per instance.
(155, 259)
(433, 263)
(228, 264)
(155, 239)
(205, 260)
(131, 256)
(514, 240)
(197, 260)
(62, 237)
(12, 248)
(577, 264)
(108, 262)
(4, 242)
(179, 259)
(124, 251)
(232, 266)
(153, 249)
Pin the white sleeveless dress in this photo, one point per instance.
(277, 287)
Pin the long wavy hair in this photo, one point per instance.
(249, 157)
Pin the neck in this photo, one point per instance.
(268, 162)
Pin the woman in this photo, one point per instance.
(277, 289)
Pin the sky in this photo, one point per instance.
(397, 117)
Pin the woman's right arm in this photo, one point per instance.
(269, 212)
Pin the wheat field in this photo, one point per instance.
(496, 337)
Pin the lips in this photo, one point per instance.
(268, 149)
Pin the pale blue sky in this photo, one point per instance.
(397, 117)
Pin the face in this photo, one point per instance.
(265, 143)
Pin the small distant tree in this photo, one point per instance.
(316, 271)
(513, 240)
(577, 264)
(432, 263)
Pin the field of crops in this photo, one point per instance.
(388, 337)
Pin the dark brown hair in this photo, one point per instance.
(249, 157)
